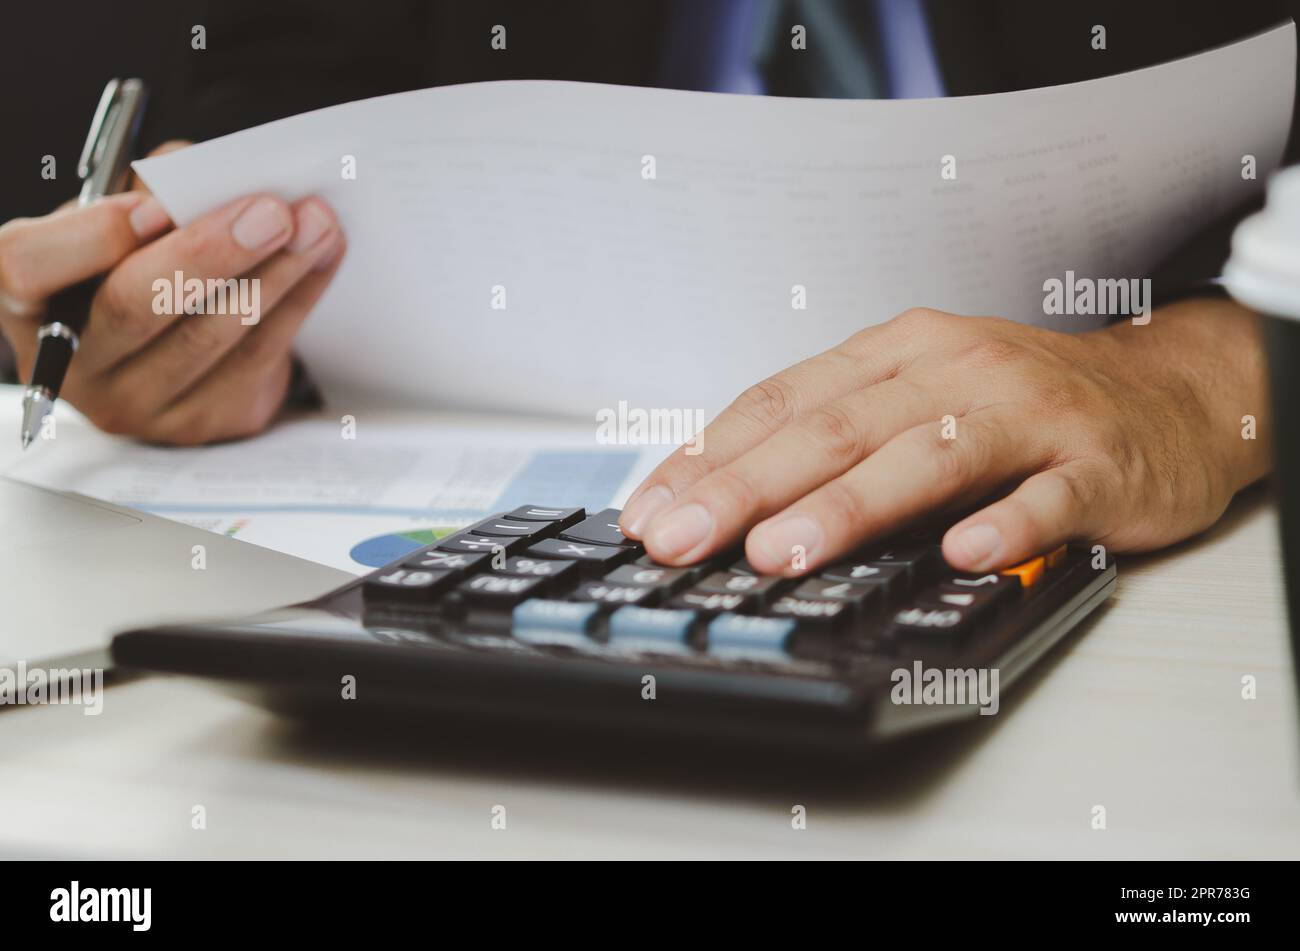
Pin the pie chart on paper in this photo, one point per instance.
(381, 549)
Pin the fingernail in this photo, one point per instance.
(641, 508)
(785, 543)
(261, 223)
(331, 257)
(980, 544)
(148, 218)
(313, 223)
(678, 531)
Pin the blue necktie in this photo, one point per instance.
(746, 46)
(858, 49)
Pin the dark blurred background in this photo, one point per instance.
(270, 58)
(54, 60)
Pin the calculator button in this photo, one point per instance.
(976, 591)
(970, 601)
(821, 615)
(931, 621)
(892, 577)
(615, 595)
(406, 584)
(742, 567)
(667, 579)
(498, 591)
(541, 513)
(707, 603)
(554, 570)
(726, 582)
(538, 621)
(650, 629)
(601, 528)
(984, 582)
(1029, 572)
(458, 562)
(1054, 558)
(689, 571)
(736, 635)
(857, 596)
(916, 559)
(469, 542)
(514, 529)
(595, 559)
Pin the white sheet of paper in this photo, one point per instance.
(304, 489)
(676, 291)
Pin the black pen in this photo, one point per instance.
(102, 169)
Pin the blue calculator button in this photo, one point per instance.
(538, 621)
(650, 628)
(735, 634)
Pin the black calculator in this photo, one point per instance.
(551, 616)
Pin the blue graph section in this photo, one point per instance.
(378, 551)
(567, 478)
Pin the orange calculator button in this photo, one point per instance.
(1029, 572)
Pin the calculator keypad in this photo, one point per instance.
(557, 578)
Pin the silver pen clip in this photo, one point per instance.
(107, 152)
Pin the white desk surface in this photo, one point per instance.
(1142, 713)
